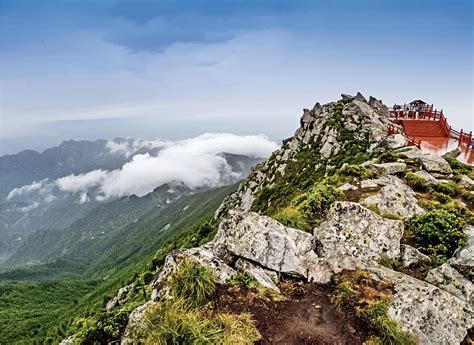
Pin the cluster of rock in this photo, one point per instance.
(436, 311)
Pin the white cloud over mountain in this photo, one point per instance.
(195, 162)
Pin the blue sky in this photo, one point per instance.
(172, 69)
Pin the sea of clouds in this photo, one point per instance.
(196, 162)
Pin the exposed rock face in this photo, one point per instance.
(431, 162)
(429, 179)
(463, 259)
(466, 182)
(353, 230)
(262, 239)
(388, 168)
(121, 297)
(412, 256)
(448, 279)
(431, 314)
(265, 277)
(351, 236)
(318, 132)
(136, 323)
(395, 197)
(206, 255)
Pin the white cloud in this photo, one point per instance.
(195, 162)
(30, 207)
(82, 182)
(26, 189)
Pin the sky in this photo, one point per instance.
(176, 69)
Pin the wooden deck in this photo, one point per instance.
(429, 130)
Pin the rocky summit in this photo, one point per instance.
(363, 226)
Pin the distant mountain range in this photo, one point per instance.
(40, 222)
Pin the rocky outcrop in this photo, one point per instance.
(466, 183)
(427, 177)
(261, 239)
(448, 279)
(395, 198)
(123, 295)
(432, 315)
(430, 161)
(320, 130)
(411, 256)
(136, 323)
(388, 168)
(463, 258)
(353, 230)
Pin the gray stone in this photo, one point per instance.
(353, 230)
(136, 323)
(395, 197)
(346, 187)
(123, 295)
(412, 256)
(453, 153)
(264, 277)
(396, 141)
(463, 258)
(267, 242)
(346, 97)
(466, 182)
(448, 279)
(388, 168)
(359, 97)
(429, 179)
(430, 161)
(432, 315)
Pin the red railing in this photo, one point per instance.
(426, 112)
(411, 140)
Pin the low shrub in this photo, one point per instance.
(370, 300)
(388, 157)
(292, 217)
(438, 233)
(315, 202)
(358, 171)
(193, 282)
(415, 182)
(448, 188)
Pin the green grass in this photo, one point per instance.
(292, 217)
(35, 312)
(416, 182)
(193, 282)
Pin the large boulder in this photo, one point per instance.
(136, 323)
(265, 241)
(448, 279)
(432, 315)
(395, 197)
(430, 161)
(411, 256)
(463, 258)
(205, 255)
(353, 230)
(466, 182)
(388, 168)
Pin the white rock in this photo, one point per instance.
(389, 168)
(395, 197)
(463, 258)
(429, 179)
(432, 315)
(353, 230)
(431, 162)
(267, 242)
(466, 182)
(264, 277)
(448, 279)
(136, 323)
(410, 256)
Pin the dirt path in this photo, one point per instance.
(307, 316)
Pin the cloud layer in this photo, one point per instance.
(195, 162)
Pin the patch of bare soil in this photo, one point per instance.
(358, 194)
(305, 316)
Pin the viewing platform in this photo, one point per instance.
(428, 129)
